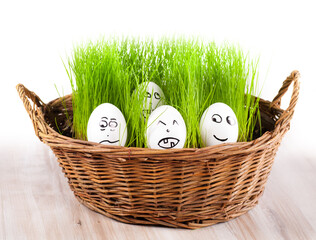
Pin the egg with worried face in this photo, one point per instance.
(218, 125)
(165, 128)
(154, 97)
(107, 126)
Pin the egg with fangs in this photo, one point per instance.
(165, 128)
(154, 97)
(107, 125)
(218, 125)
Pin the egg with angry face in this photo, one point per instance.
(218, 125)
(165, 128)
(107, 126)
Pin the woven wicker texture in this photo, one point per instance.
(187, 188)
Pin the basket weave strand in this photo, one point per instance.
(187, 188)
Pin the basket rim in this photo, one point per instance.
(51, 137)
(97, 147)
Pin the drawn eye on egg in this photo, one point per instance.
(161, 122)
(218, 125)
(216, 118)
(113, 124)
(103, 123)
(157, 95)
(165, 128)
(231, 120)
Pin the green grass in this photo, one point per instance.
(192, 73)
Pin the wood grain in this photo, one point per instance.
(36, 202)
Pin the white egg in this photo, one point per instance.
(154, 97)
(218, 125)
(166, 128)
(107, 126)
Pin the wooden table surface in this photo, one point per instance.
(37, 203)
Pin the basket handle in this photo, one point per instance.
(286, 116)
(34, 110)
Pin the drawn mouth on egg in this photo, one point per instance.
(168, 142)
(108, 141)
(220, 139)
(146, 112)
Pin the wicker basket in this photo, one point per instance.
(187, 188)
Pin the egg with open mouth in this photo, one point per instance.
(218, 125)
(107, 126)
(166, 128)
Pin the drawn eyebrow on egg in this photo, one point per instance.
(161, 122)
(112, 118)
(104, 117)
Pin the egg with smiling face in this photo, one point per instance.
(154, 97)
(218, 125)
(165, 128)
(107, 126)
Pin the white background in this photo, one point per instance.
(36, 35)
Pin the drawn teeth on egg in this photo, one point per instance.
(168, 142)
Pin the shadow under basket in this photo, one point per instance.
(187, 188)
